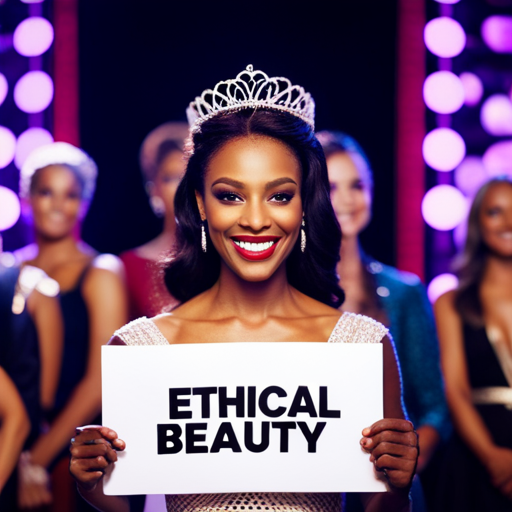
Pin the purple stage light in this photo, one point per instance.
(498, 158)
(444, 37)
(443, 92)
(443, 149)
(28, 141)
(497, 33)
(447, 1)
(496, 115)
(441, 284)
(33, 92)
(473, 88)
(7, 146)
(460, 234)
(4, 88)
(32, 1)
(443, 207)
(33, 36)
(470, 175)
(9, 208)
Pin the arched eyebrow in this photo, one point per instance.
(240, 185)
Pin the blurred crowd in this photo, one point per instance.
(60, 301)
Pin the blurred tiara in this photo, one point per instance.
(251, 89)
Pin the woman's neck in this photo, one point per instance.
(53, 253)
(498, 271)
(253, 301)
(350, 266)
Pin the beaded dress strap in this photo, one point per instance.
(142, 331)
(353, 328)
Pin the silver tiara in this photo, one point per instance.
(251, 89)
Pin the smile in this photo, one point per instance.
(255, 248)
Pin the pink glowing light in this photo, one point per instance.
(470, 175)
(32, 1)
(28, 141)
(441, 284)
(443, 92)
(4, 88)
(443, 149)
(497, 33)
(444, 37)
(7, 146)
(496, 115)
(9, 208)
(473, 88)
(33, 36)
(443, 207)
(447, 1)
(498, 158)
(33, 92)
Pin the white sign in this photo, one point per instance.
(242, 417)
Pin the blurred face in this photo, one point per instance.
(496, 219)
(55, 200)
(167, 179)
(253, 205)
(350, 192)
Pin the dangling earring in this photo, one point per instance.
(303, 236)
(157, 205)
(203, 237)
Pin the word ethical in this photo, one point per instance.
(173, 437)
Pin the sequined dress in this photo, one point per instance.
(350, 328)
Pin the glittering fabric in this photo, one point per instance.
(350, 328)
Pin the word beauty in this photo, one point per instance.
(246, 403)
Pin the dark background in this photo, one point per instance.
(141, 63)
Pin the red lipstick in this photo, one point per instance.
(245, 246)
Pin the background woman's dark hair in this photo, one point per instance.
(470, 265)
(339, 142)
(191, 271)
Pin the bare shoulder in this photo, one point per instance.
(171, 325)
(445, 304)
(105, 278)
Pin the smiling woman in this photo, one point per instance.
(257, 248)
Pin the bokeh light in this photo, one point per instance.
(496, 115)
(4, 88)
(497, 33)
(7, 146)
(443, 149)
(444, 37)
(470, 175)
(9, 208)
(33, 92)
(460, 234)
(498, 158)
(33, 36)
(28, 141)
(443, 92)
(443, 207)
(32, 1)
(473, 88)
(447, 1)
(441, 284)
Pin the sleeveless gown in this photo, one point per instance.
(464, 483)
(350, 328)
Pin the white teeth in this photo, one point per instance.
(248, 246)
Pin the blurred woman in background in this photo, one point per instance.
(163, 165)
(57, 184)
(396, 299)
(475, 333)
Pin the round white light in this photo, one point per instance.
(443, 149)
(7, 146)
(33, 92)
(443, 92)
(4, 88)
(496, 115)
(441, 284)
(33, 36)
(444, 207)
(444, 37)
(9, 208)
(29, 140)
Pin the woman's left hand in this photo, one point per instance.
(393, 448)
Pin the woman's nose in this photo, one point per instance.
(254, 216)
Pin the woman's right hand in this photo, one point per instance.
(92, 450)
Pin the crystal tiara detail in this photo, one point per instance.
(251, 89)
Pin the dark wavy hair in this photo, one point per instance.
(470, 265)
(190, 271)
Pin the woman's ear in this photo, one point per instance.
(200, 205)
